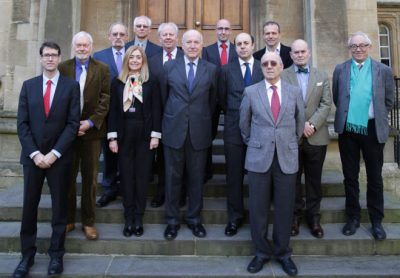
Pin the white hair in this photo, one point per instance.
(82, 34)
(191, 31)
(165, 25)
(359, 33)
(142, 17)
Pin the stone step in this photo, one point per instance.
(76, 265)
(214, 211)
(111, 241)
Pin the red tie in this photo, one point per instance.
(169, 54)
(224, 54)
(275, 105)
(46, 99)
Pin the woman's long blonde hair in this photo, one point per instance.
(144, 71)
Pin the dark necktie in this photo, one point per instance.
(190, 76)
(119, 61)
(275, 104)
(360, 66)
(247, 75)
(303, 70)
(224, 54)
(46, 99)
(169, 54)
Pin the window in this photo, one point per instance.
(384, 45)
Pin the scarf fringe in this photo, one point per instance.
(357, 129)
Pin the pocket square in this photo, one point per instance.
(319, 84)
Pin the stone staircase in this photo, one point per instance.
(113, 255)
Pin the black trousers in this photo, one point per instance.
(265, 188)
(58, 178)
(235, 155)
(134, 158)
(110, 172)
(311, 161)
(350, 145)
(176, 162)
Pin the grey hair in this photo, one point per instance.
(359, 33)
(118, 23)
(192, 31)
(80, 35)
(165, 25)
(142, 17)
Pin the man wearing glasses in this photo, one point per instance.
(142, 29)
(271, 124)
(362, 91)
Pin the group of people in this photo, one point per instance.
(143, 102)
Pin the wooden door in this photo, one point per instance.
(196, 14)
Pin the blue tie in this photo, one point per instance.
(247, 75)
(190, 76)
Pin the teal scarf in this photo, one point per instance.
(360, 97)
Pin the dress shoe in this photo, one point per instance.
(256, 264)
(23, 267)
(128, 229)
(316, 230)
(138, 230)
(55, 266)
(295, 226)
(378, 232)
(232, 228)
(90, 232)
(351, 227)
(70, 227)
(198, 230)
(105, 199)
(288, 266)
(171, 232)
(157, 202)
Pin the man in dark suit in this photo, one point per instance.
(363, 91)
(94, 81)
(48, 121)
(189, 97)
(142, 29)
(314, 85)
(272, 36)
(168, 35)
(112, 56)
(235, 76)
(219, 53)
(271, 124)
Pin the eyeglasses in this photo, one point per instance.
(268, 63)
(141, 26)
(223, 28)
(48, 56)
(362, 46)
(118, 34)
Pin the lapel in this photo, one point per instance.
(284, 100)
(311, 84)
(181, 68)
(237, 74)
(111, 60)
(57, 95)
(257, 75)
(38, 89)
(232, 52)
(70, 68)
(91, 73)
(262, 93)
(200, 71)
(292, 77)
(375, 76)
(346, 76)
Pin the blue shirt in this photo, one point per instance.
(302, 78)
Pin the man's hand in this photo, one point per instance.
(113, 145)
(308, 130)
(154, 143)
(84, 126)
(50, 158)
(39, 160)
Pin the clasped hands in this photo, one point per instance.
(44, 161)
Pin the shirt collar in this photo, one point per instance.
(122, 50)
(78, 63)
(53, 80)
(188, 61)
(173, 52)
(250, 61)
(296, 68)
(277, 84)
(227, 43)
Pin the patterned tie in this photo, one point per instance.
(224, 54)
(119, 61)
(275, 105)
(82, 81)
(247, 75)
(46, 99)
(360, 66)
(169, 54)
(190, 76)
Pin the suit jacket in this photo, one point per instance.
(186, 112)
(284, 53)
(58, 130)
(156, 65)
(151, 108)
(263, 136)
(107, 57)
(211, 54)
(317, 104)
(382, 90)
(96, 95)
(151, 48)
(230, 94)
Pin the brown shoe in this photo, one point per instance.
(90, 232)
(70, 227)
(295, 226)
(316, 230)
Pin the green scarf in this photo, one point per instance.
(360, 97)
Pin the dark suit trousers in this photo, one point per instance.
(86, 157)
(176, 162)
(235, 155)
(263, 188)
(350, 145)
(110, 173)
(311, 161)
(135, 158)
(58, 179)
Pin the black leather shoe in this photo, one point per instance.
(55, 266)
(105, 199)
(256, 264)
(295, 226)
(23, 267)
(138, 230)
(171, 232)
(288, 266)
(198, 230)
(378, 232)
(157, 202)
(232, 228)
(316, 230)
(351, 227)
(128, 229)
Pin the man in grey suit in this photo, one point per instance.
(363, 91)
(271, 124)
(234, 77)
(314, 85)
(189, 96)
